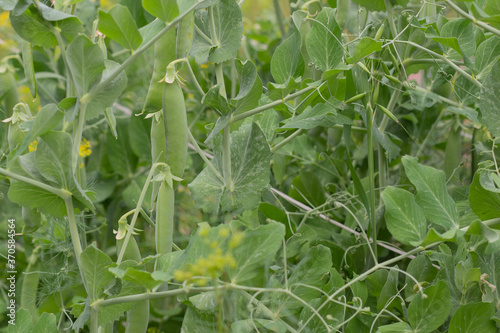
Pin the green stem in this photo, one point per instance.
(415, 61)
(279, 18)
(60, 41)
(97, 88)
(202, 34)
(371, 174)
(195, 80)
(136, 212)
(59, 192)
(77, 138)
(259, 109)
(213, 32)
(203, 156)
(286, 140)
(473, 19)
(448, 61)
(94, 324)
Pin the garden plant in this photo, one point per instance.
(206, 166)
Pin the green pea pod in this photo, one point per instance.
(15, 136)
(158, 146)
(164, 54)
(164, 219)
(29, 287)
(138, 316)
(185, 34)
(174, 118)
(8, 91)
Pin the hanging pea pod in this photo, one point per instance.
(165, 219)
(185, 34)
(29, 289)
(138, 316)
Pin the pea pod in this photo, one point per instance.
(138, 316)
(164, 54)
(164, 219)
(29, 287)
(185, 34)
(8, 91)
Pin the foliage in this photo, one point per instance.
(342, 172)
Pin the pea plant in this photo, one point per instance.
(259, 166)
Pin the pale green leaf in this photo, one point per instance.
(94, 264)
(489, 100)
(286, 59)
(23, 322)
(46, 323)
(365, 47)
(403, 216)
(324, 41)
(473, 318)
(427, 313)
(432, 193)
(119, 25)
(165, 10)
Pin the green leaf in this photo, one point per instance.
(461, 29)
(216, 101)
(165, 10)
(46, 323)
(198, 321)
(228, 33)
(86, 63)
(322, 114)
(46, 119)
(250, 87)
(390, 288)
(34, 26)
(472, 318)
(485, 204)
(466, 276)
(372, 5)
(489, 100)
(432, 193)
(487, 54)
(433, 237)
(249, 325)
(310, 272)
(365, 47)
(23, 322)
(140, 277)
(7, 5)
(119, 25)
(286, 59)
(250, 160)
(139, 136)
(422, 270)
(403, 216)
(324, 41)
(478, 228)
(53, 158)
(95, 265)
(427, 313)
(257, 249)
(105, 97)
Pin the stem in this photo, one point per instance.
(371, 174)
(94, 324)
(279, 18)
(473, 19)
(78, 135)
(60, 42)
(59, 192)
(259, 109)
(226, 158)
(213, 32)
(75, 237)
(136, 212)
(193, 77)
(286, 140)
(203, 156)
(202, 34)
(97, 88)
(448, 61)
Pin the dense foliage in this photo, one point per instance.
(231, 166)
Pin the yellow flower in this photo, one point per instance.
(85, 148)
(235, 240)
(32, 146)
(204, 66)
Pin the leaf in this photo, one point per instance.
(422, 270)
(403, 216)
(286, 59)
(461, 29)
(311, 271)
(165, 10)
(432, 193)
(119, 25)
(427, 313)
(322, 114)
(489, 100)
(86, 62)
(23, 322)
(487, 54)
(95, 265)
(34, 26)
(472, 318)
(139, 136)
(105, 97)
(365, 47)
(323, 41)
(250, 161)
(46, 119)
(53, 158)
(46, 323)
(257, 249)
(390, 288)
(140, 277)
(434, 237)
(198, 321)
(228, 33)
(250, 87)
(485, 204)
(478, 228)
(216, 101)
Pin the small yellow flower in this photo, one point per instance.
(32, 146)
(235, 240)
(85, 148)
(204, 66)
(224, 232)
